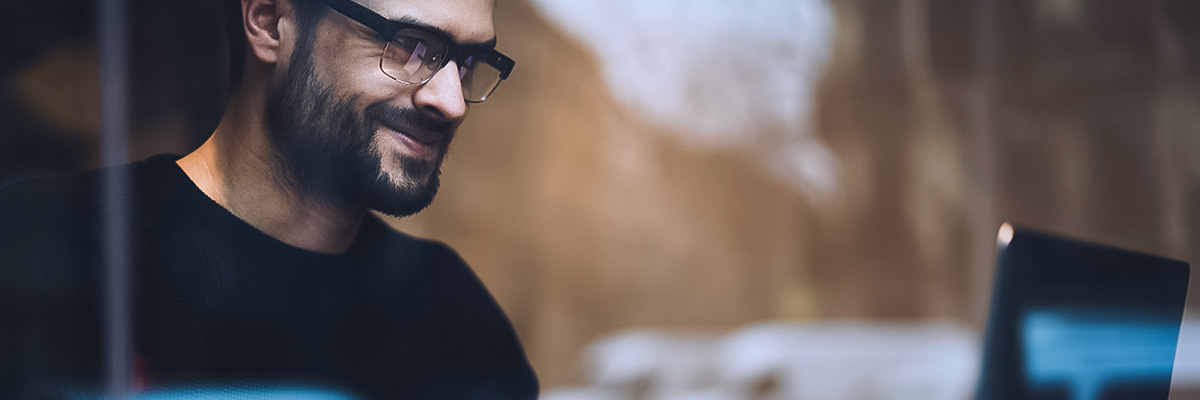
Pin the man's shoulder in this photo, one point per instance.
(38, 189)
(75, 197)
(465, 320)
(441, 271)
(49, 201)
(437, 265)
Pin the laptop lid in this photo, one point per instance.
(1079, 321)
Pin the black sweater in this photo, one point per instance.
(219, 305)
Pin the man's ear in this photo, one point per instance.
(265, 22)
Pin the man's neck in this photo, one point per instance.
(236, 169)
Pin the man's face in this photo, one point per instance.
(345, 132)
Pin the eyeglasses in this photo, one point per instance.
(414, 54)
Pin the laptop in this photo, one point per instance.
(1072, 320)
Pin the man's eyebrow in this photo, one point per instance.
(486, 45)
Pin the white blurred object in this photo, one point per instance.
(721, 73)
(831, 360)
(591, 393)
(1185, 374)
(837, 360)
(652, 364)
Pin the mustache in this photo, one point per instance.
(418, 125)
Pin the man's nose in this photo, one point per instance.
(443, 94)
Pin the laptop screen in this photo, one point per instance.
(1077, 321)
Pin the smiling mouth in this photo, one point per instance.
(414, 144)
(422, 136)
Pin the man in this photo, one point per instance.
(256, 265)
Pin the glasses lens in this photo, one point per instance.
(479, 78)
(413, 56)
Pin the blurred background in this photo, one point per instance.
(679, 174)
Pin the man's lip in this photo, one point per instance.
(415, 148)
(422, 136)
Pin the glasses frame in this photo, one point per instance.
(457, 52)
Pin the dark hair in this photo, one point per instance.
(308, 13)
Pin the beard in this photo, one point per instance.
(326, 150)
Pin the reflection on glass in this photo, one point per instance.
(1086, 352)
(243, 393)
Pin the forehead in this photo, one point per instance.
(467, 21)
